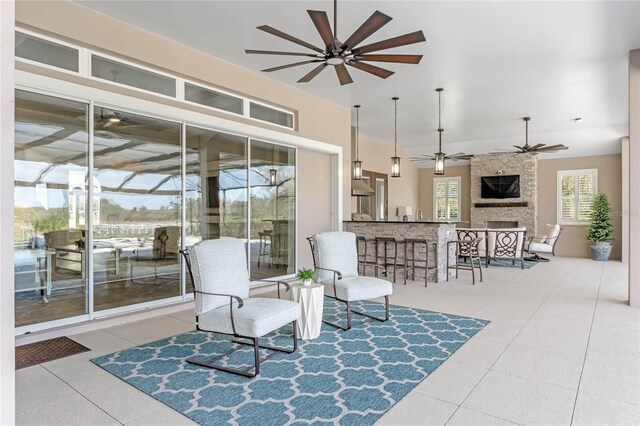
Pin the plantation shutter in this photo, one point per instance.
(576, 191)
(446, 198)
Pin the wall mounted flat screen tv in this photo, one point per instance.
(500, 186)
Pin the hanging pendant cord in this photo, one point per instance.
(439, 121)
(357, 130)
(395, 125)
(335, 20)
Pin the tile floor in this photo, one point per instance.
(562, 348)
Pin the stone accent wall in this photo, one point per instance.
(432, 231)
(525, 165)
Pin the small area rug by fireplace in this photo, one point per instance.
(342, 377)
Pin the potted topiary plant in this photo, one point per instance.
(600, 230)
(306, 276)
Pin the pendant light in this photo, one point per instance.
(356, 168)
(395, 160)
(439, 156)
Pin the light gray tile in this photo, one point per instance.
(70, 412)
(611, 381)
(82, 375)
(37, 388)
(122, 401)
(452, 381)
(418, 409)
(479, 352)
(598, 410)
(547, 367)
(465, 417)
(521, 400)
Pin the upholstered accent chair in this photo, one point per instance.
(543, 243)
(335, 259)
(218, 271)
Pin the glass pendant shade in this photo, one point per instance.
(273, 175)
(395, 166)
(357, 170)
(439, 156)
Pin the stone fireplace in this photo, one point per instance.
(505, 213)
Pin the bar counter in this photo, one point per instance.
(440, 232)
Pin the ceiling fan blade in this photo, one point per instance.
(401, 59)
(343, 75)
(307, 78)
(403, 40)
(371, 69)
(520, 148)
(552, 148)
(278, 33)
(295, 64)
(321, 21)
(457, 157)
(370, 26)
(537, 146)
(273, 52)
(424, 159)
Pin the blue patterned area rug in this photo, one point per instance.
(342, 377)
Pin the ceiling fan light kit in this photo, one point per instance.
(395, 160)
(339, 54)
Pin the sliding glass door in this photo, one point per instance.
(107, 239)
(273, 212)
(50, 213)
(137, 211)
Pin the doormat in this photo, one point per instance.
(341, 378)
(47, 350)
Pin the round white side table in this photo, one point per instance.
(311, 300)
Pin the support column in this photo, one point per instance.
(7, 115)
(634, 178)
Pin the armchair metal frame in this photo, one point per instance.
(338, 275)
(247, 372)
(535, 257)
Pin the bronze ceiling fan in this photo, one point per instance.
(538, 148)
(338, 54)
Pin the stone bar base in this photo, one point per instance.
(432, 231)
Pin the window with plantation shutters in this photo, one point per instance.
(576, 191)
(446, 198)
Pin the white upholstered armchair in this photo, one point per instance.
(335, 259)
(543, 243)
(218, 270)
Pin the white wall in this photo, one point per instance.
(7, 341)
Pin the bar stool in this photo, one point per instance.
(411, 256)
(383, 244)
(265, 246)
(364, 260)
(465, 248)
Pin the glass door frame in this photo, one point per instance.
(117, 103)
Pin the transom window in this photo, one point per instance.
(576, 191)
(446, 198)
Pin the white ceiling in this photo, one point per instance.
(497, 61)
